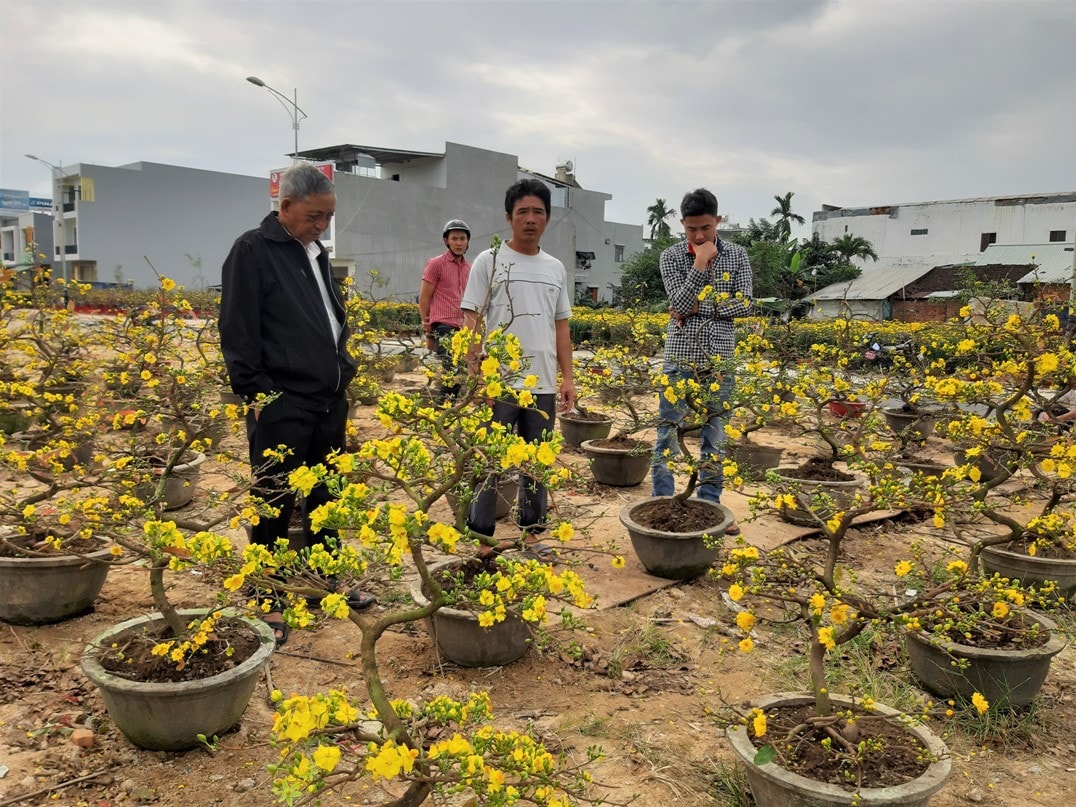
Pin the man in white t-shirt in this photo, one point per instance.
(524, 290)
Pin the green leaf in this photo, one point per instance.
(766, 753)
(794, 264)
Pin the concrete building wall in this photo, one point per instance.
(394, 227)
(183, 220)
(937, 233)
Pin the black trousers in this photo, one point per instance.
(529, 423)
(311, 435)
(447, 387)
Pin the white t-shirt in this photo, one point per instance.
(526, 295)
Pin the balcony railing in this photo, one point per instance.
(68, 207)
(71, 249)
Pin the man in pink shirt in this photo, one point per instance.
(443, 282)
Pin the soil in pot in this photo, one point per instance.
(898, 760)
(1049, 549)
(34, 543)
(893, 768)
(817, 469)
(131, 655)
(670, 515)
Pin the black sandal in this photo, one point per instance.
(281, 631)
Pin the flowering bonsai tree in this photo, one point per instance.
(383, 502)
(1016, 486)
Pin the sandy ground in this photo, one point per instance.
(673, 645)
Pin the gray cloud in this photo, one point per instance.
(841, 102)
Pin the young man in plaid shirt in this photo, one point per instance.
(699, 334)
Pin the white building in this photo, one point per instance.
(118, 224)
(928, 234)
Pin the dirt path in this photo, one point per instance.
(649, 675)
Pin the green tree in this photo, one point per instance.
(785, 216)
(640, 280)
(854, 246)
(756, 231)
(657, 215)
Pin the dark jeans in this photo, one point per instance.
(529, 423)
(311, 435)
(446, 389)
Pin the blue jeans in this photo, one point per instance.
(711, 480)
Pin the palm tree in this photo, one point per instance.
(855, 246)
(659, 211)
(784, 214)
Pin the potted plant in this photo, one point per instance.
(982, 637)
(196, 668)
(677, 536)
(762, 397)
(382, 499)
(618, 374)
(1016, 485)
(54, 535)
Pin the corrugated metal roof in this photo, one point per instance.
(876, 283)
(1047, 263)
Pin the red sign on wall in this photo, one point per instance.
(274, 177)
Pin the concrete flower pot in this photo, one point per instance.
(773, 786)
(916, 426)
(842, 493)
(179, 485)
(462, 640)
(1031, 570)
(618, 467)
(170, 716)
(507, 496)
(753, 459)
(676, 555)
(1004, 677)
(39, 591)
(576, 430)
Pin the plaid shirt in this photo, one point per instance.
(708, 333)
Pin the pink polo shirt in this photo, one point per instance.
(448, 275)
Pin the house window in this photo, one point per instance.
(618, 253)
(923, 231)
(592, 292)
(1057, 235)
(986, 239)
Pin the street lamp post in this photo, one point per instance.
(58, 202)
(291, 106)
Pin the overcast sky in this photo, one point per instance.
(849, 103)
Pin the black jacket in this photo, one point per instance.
(274, 331)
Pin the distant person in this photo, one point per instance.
(697, 334)
(526, 293)
(443, 282)
(283, 332)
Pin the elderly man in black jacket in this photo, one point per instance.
(283, 332)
